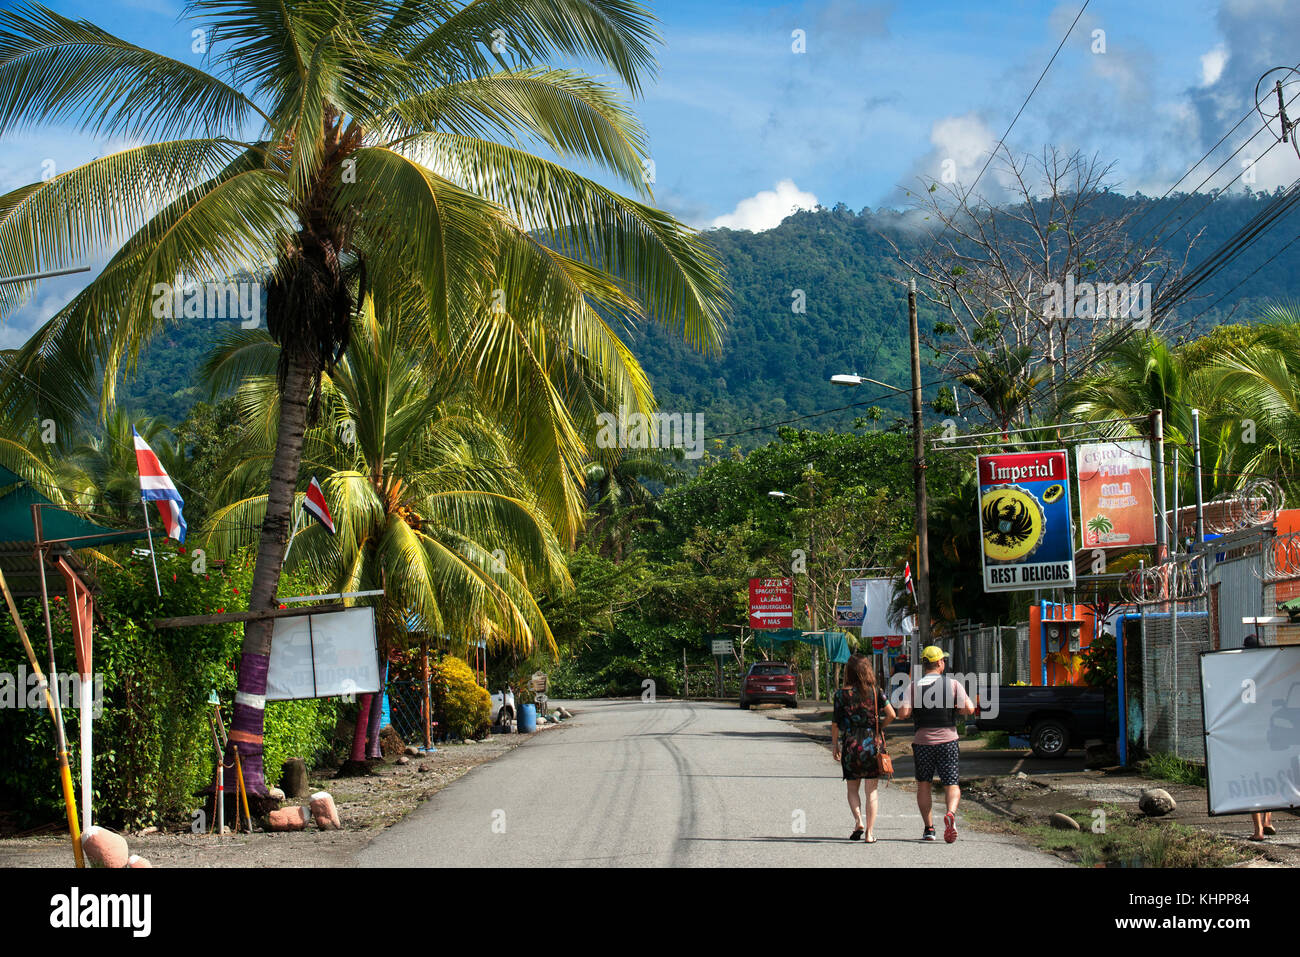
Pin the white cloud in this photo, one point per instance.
(1212, 65)
(766, 209)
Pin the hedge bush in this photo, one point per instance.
(461, 705)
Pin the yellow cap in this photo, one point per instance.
(934, 653)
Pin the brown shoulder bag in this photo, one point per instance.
(884, 763)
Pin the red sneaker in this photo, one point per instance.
(949, 828)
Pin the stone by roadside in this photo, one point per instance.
(365, 805)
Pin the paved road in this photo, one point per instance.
(631, 783)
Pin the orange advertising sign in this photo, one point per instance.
(1116, 509)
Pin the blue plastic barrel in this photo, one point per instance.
(528, 719)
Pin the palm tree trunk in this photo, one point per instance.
(374, 748)
(247, 724)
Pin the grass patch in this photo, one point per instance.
(1169, 767)
(1125, 839)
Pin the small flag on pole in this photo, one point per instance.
(314, 503)
(907, 579)
(156, 486)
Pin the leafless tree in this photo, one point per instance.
(1042, 279)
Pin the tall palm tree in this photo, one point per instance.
(343, 145)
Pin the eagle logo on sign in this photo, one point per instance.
(1013, 521)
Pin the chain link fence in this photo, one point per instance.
(406, 704)
(1173, 636)
(999, 651)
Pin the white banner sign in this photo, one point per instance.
(1251, 699)
(320, 656)
(876, 619)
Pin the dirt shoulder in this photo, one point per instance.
(366, 805)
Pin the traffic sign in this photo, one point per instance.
(722, 648)
(771, 602)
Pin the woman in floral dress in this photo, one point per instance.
(853, 740)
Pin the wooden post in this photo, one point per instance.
(65, 773)
(686, 676)
(428, 705)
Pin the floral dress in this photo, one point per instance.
(856, 718)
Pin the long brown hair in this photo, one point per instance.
(859, 675)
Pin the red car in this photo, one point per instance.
(768, 681)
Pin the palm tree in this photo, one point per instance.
(102, 469)
(1258, 409)
(618, 500)
(339, 146)
(428, 502)
(1004, 382)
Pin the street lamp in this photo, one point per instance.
(845, 379)
(920, 637)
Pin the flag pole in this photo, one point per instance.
(152, 557)
(292, 535)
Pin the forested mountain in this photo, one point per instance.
(776, 362)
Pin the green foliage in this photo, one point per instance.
(1099, 662)
(301, 729)
(1170, 767)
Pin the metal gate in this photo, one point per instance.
(1238, 571)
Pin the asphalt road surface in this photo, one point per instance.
(671, 784)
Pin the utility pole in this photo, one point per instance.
(921, 637)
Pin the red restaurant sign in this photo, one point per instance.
(771, 602)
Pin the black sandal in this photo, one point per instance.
(856, 835)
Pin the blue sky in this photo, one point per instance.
(743, 128)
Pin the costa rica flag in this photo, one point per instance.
(314, 503)
(156, 486)
(907, 579)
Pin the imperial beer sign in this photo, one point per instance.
(1025, 525)
(771, 602)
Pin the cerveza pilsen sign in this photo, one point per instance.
(1026, 532)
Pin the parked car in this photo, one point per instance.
(768, 681)
(503, 709)
(1054, 719)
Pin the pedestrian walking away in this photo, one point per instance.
(857, 739)
(933, 702)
